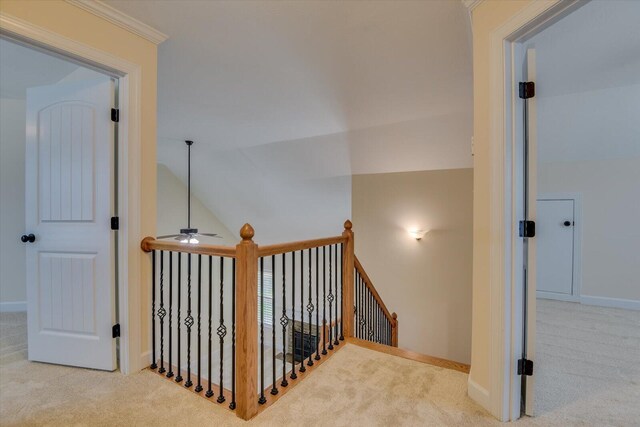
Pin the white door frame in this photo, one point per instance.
(577, 246)
(506, 258)
(129, 158)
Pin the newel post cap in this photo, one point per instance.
(394, 315)
(348, 225)
(247, 232)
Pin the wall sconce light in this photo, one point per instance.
(418, 234)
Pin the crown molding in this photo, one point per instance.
(471, 4)
(120, 19)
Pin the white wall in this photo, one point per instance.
(427, 282)
(611, 206)
(12, 250)
(172, 211)
(589, 143)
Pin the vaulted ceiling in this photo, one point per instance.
(588, 84)
(287, 99)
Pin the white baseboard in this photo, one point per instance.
(556, 296)
(479, 394)
(628, 304)
(13, 306)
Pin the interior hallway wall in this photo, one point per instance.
(12, 215)
(427, 282)
(610, 205)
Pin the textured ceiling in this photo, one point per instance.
(287, 99)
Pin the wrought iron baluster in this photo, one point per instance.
(170, 373)
(188, 321)
(336, 327)
(310, 308)
(153, 310)
(377, 323)
(371, 300)
(209, 392)
(222, 332)
(356, 304)
(302, 368)
(199, 385)
(364, 308)
(179, 376)
(341, 291)
(274, 389)
(232, 405)
(262, 400)
(284, 321)
(293, 375)
(161, 313)
(366, 312)
(317, 344)
(358, 307)
(324, 300)
(330, 298)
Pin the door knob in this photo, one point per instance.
(567, 223)
(28, 238)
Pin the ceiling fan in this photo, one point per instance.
(189, 235)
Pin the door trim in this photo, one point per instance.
(505, 302)
(129, 174)
(576, 287)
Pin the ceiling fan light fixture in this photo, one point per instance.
(188, 235)
(190, 240)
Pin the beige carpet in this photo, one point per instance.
(356, 387)
(587, 364)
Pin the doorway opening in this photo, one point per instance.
(577, 157)
(60, 258)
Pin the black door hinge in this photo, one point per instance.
(525, 367)
(115, 330)
(115, 115)
(527, 90)
(527, 229)
(115, 223)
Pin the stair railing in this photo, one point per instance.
(278, 312)
(373, 321)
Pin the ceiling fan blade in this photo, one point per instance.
(168, 236)
(210, 235)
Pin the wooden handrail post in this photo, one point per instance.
(394, 330)
(348, 266)
(246, 325)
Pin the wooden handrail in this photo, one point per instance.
(282, 248)
(149, 244)
(392, 317)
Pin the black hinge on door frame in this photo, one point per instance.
(115, 330)
(525, 367)
(115, 223)
(527, 229)
(115, 115)
(527, 90)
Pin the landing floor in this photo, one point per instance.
(355, 387)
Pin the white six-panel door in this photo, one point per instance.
(70, 266)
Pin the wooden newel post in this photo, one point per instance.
(348, 268)
(394, 330)
(247, 325)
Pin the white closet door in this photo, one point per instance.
(555, 246)
(69, 194)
